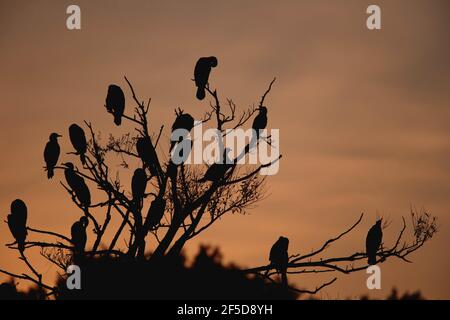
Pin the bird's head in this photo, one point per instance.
(68, 165)
(213, 61)
(262, 110)
(379, 222)
(84, 221)
(54, 136)
(18, 206)
(284, 242)
(74, 126)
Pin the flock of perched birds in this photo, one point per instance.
(115, 104)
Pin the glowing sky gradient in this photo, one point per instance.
(364, 116)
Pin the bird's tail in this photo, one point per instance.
(372, 259)
(50, 173)
(21, 245)
(118, 120)
(201, 93)
(83, 159)
(284, 280)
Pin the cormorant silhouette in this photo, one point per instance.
(147, 154)
(79, 236)
(217, 170)
(51, 154)
(78, 139)
(201, 74)
(155, 213)
(183, 121)
(373, 242)
(138, 185)
(115, 103)
(77, 184)
(260, 121)
(17, 222)
(279, 257)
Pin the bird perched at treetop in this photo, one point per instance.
(78, 140)
(51, 154)
(115, 103)
(201, 74)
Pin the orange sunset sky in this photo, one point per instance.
(364, 116)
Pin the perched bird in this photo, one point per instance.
(373, 242)
(217, 170)
(155, 213)
(201, 74)
(77, 184)
(279, 257)
(79, 236)
(183, 121)
(138, 185)
(147, 153)
(260, 121)
(51, 154)
(17, 222)
(182, 151)
(78, 139)
(115, 103)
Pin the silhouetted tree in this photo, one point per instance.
(184, 201)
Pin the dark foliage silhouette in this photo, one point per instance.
(201, 74)
(373, 242)
(8, 291)
(145, 250)
(78, 140)
(115, 103)
(51, 154)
